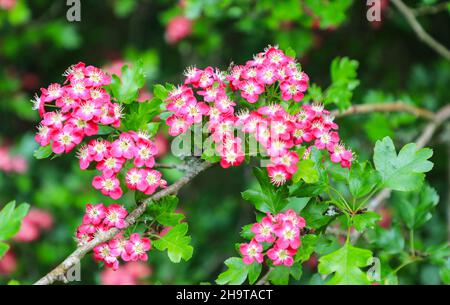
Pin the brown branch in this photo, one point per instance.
(386, 107)
(181, 167)
(430, 9)
(408, 13)
(58, 274)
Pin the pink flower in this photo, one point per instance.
(281, 256)
(110, 165)
(144, 154)
(78, 89)
(327, 140)
(87, 128)
(40, 218)
(98, 149)
(136, 248)
(292, 90)
(134, 177)
(7, 4)
(53, 92)
(341, 155)
(94, 214)
(292, 217)
(28, 231)
(251, 90)
(264, 230)
(251, 252)
(123, 147)
(128, 274)
(288, 236)
(278, 174)
(66, 139)
(107, 254)
(44, 135)
(115, 216)
(85, 157)
(150, 182)
(54, 119)
(177, 29)
(109, 186)
(288, 160)
(96, 77)
(8, 263)
(177, 125)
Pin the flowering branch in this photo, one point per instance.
(408, 13)
(58, 274)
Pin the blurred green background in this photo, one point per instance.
(37, 44)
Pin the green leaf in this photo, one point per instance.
(160, 91)
(163, 211)
(309, 242)
(246, 232)
(126, 88)
(237, 272)
(253, 272)
(444, 272)
(362, 179)
(314, 214)
(141, 115)
(343, 77)
(280, 274)
(415, 208)
(3, 249)
(390, 240)
(123, 8)
(177, 243)
(307, 190)
(296, 204)
(271, 198)
(344, 265)
(20, 13)
(365, 220)
(11, 218)
(152, 128)
(306, 172)
(43, 152)
(402, 172)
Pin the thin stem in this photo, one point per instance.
(408, 13)
(411, 242)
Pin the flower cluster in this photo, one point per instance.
(82, 105)
(110, 158)
(282, 232)
(99, 219)
(209, 93)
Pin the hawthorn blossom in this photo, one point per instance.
(115, 216)
(109, 186)
(251, 252)
(281, 256)
(136, 248)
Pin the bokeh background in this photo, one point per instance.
(37, 44)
